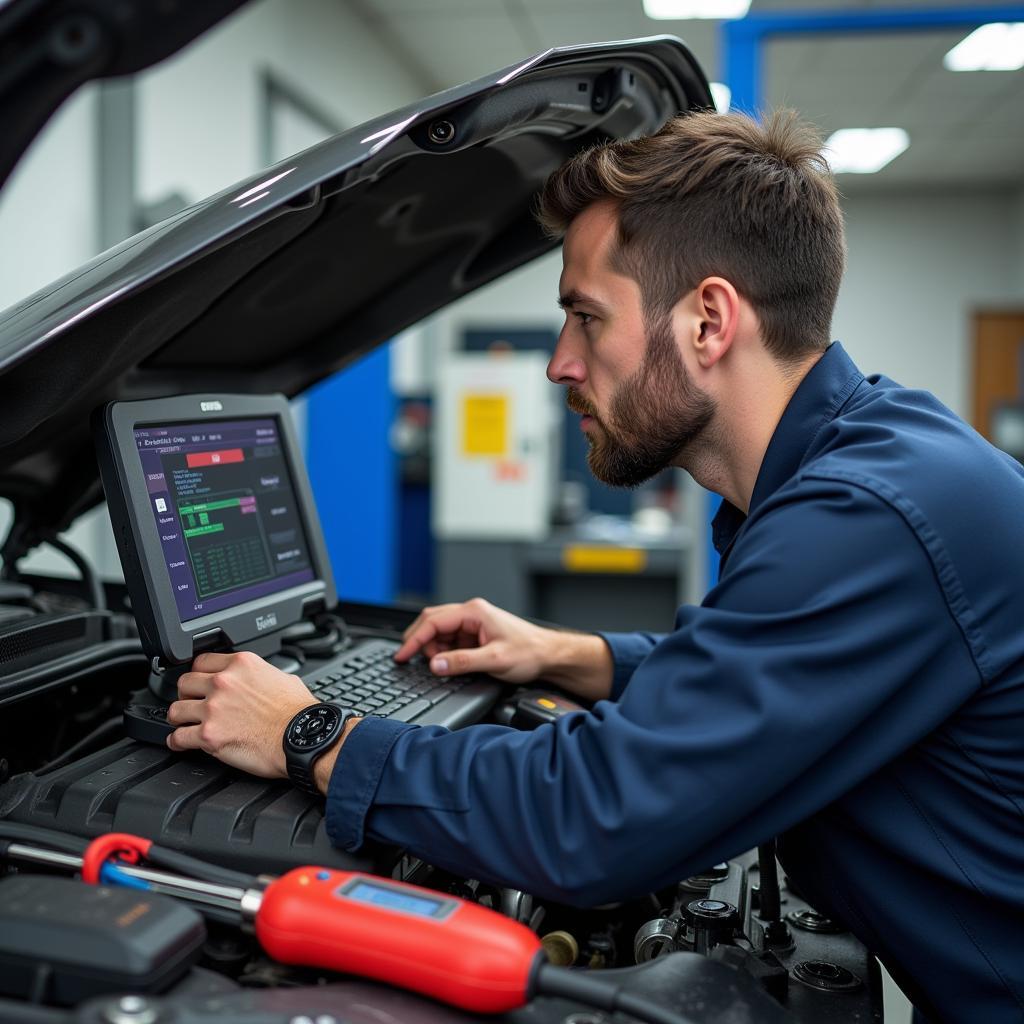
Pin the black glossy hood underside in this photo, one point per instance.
(285, 278)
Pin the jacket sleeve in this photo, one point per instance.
(628, 651)
(814, 662)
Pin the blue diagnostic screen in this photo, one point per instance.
(393, 899)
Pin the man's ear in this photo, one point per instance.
(717, 305)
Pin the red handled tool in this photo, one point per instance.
(458, 952)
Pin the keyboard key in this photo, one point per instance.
(434, 695)
(410, 711)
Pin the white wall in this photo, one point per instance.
(48, 207)
(918, 266)
(199, 113)
(1017, 227)
(48, 226)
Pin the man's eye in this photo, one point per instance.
(584, 318)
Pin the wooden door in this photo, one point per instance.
(998, 359)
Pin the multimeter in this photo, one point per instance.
(454, 951)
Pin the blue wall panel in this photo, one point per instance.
(353, 472)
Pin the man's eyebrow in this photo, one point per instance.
(574, 297)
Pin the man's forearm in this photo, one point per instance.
(580, 663)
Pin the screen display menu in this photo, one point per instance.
(226, 512)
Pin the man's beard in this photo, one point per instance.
(654, 415)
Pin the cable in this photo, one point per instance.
(89, 578)
(186, 865)
(158, 855)
(16, 833)
(110, 874)
(776, 931)
(770, 899)
(585, 988)
(111, 725)
(294, 651)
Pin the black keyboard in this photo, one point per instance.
(369, 681)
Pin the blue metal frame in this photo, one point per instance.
(741, 49)
(742, 39)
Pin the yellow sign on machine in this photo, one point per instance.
(603, 558)
(485, 425)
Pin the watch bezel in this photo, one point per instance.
(326, 737)
(299, 761)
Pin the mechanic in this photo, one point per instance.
(854, 683)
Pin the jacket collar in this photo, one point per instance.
(816, 401)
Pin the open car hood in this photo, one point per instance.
(285, 278)
(48, 48)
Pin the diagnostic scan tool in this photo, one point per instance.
(214, 521)
(222, 550)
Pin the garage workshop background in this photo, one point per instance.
(933, 296)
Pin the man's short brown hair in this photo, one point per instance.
(720, 195)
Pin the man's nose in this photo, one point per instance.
(565, 366)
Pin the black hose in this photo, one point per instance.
(89, 578)
(17, 833)
(109, 727)
(186, 865)
(158, 855)
(770, 908)
(581, 987)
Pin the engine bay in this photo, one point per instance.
(725, 944)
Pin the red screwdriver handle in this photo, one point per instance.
(457, 952)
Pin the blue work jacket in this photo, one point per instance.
(854, 683)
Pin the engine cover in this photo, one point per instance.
(188, 802)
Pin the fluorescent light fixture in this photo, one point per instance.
(998, 46)
(722, 95)
(864, 150)
(683, 10)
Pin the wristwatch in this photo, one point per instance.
(308, 736)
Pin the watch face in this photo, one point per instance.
(314, 727)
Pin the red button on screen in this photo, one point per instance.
(196, 459)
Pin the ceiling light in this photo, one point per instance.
(995, 47)
(682, 10)
(864, 150)
(722, 95)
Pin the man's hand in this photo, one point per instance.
(236, 707)
(478, 637)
